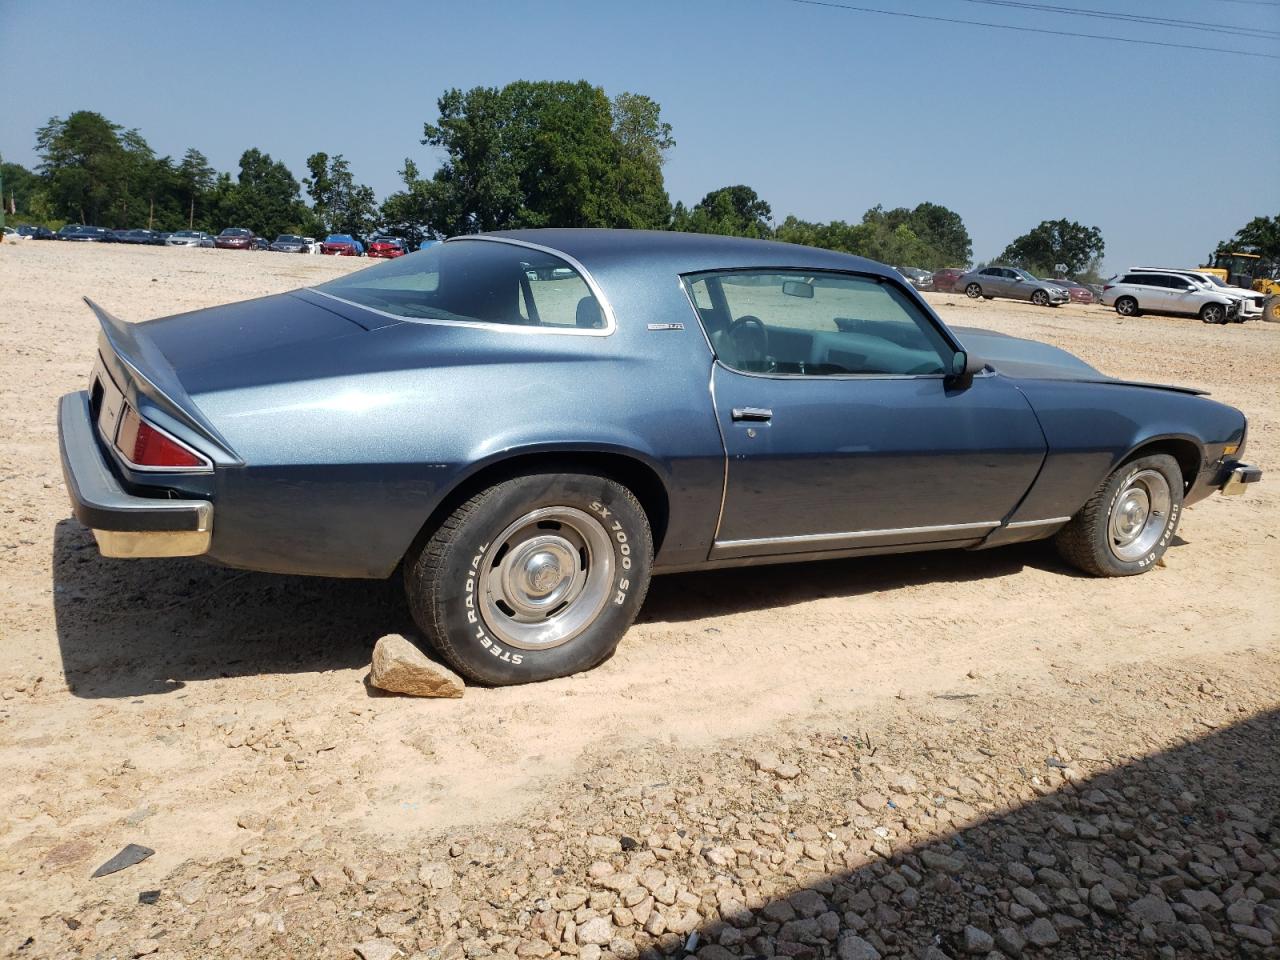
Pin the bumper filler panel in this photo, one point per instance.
(124, 525)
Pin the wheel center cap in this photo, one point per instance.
(542, 572)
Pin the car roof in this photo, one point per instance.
(685, 252)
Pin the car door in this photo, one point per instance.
(1183, 295)
(992, 281)
(840, 425)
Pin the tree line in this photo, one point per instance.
(529, 154)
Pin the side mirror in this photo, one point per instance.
(964, 367)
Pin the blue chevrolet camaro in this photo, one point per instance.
(527, 425)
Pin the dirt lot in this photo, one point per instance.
(956, 753)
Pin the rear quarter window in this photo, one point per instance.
(478, 281)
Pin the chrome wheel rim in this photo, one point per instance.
(1039, 299)
(546, 578)
(973, 291)
(1212, 314)
(1124, 307)
(1139, 515)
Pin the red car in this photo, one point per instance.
(944, 280)
(387, 248)
(1078, 292)
(235, 238)
(341, 245)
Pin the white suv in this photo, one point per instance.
(1164, 291)
(1252, 303)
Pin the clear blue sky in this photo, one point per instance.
(824, 112)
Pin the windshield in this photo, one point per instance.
(187, 233)
(1217, 281)
(477, 281)
(288, 238)
(234, 232)
(1024, 275)
(337, 238)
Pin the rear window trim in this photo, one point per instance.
(610, 324)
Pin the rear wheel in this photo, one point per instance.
(1127, 307)
(1127, 524)
(533, 578)
(973, 291)
(1213, 313)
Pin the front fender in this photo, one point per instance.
(1091, 428)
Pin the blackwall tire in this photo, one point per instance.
(973, 291)
(1213, 313)
(1127, 307)
(1128, 523)
(533, 578)
(1040, 298)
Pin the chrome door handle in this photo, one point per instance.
(754, 414)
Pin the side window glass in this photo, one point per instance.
(816, 324)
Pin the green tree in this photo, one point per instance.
(338, 202)
(405, 213)
(1261, 235)
(82, 162)
(1053, 243)
(195, 179)
(735, 211)
(264, 197)
(20, 187)
(643, 139)
(545, 153)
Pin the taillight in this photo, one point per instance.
(1107, 286)
(145, 446)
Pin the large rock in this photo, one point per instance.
(400, 667)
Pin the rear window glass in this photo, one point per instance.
(476, 281)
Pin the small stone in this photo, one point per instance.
(1151, 909)
(437, 875)
(787, 771)
(1241, 911)
(766, 762)
(1011, 941)
(978, 941)
(376, 950)
(1042, 933)
(1256, 935)
(132, 854)
(853, 947)
(144, 948)
(597, 930)
(1101, 900)
(400, 667)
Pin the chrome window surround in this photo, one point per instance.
(610, 323)
(103, 376)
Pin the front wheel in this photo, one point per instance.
(1213, 313)
(1127, 524)
(533, 578)
(973, 291)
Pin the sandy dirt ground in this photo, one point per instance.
(222, 718)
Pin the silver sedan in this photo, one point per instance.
(189, 238)
(1012, 282)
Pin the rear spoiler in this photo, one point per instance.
(151, 372)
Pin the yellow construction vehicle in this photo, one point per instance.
(1251, 271)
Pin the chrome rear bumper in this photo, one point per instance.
(1238, 480)
(124, 525)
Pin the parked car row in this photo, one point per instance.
(232, 238)
(1181, 292)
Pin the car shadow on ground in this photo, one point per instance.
(692, 596)
(1169, 855)
(133, 627)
